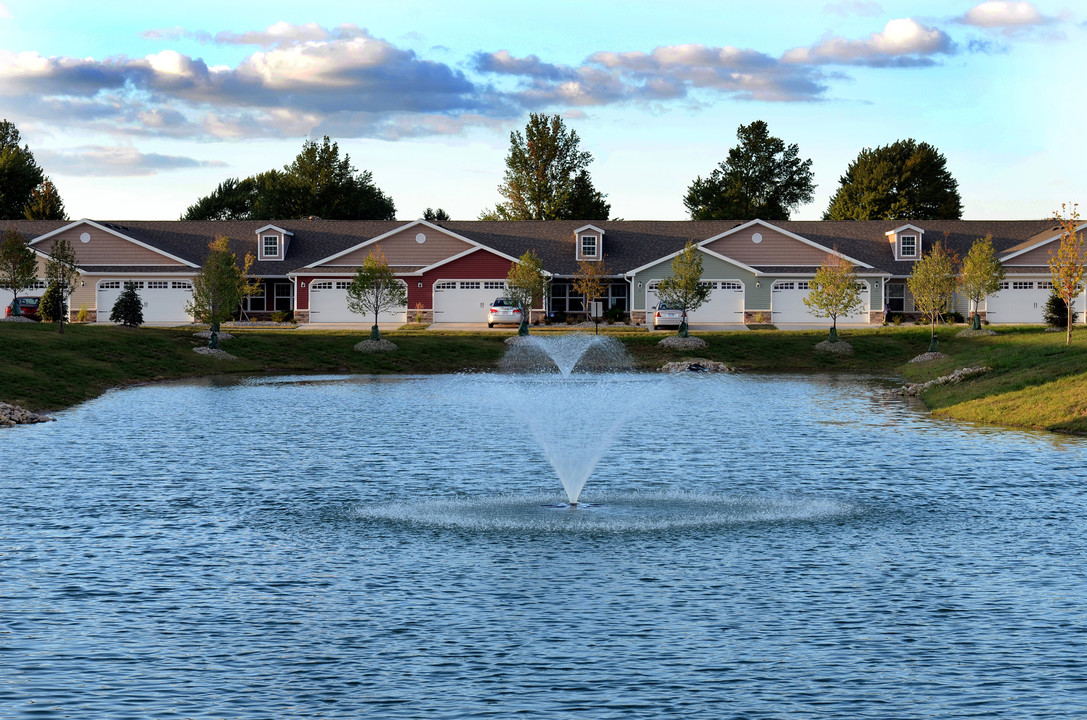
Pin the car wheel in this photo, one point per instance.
(490, 325)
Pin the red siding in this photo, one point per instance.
(480, 265)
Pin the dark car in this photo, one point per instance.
(28, 307)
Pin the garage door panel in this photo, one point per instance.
(787, 304)
(1018, 301)
(328, 304)
(725, 303)
(465, 301)
(163, 300)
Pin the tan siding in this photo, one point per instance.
(775, 248)
(106, 249)
(1037, 256)
(402, 249)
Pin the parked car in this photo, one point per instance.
(665, 316)
(28, 306)
(503, 312)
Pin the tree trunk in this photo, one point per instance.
(834, 331)
(1068, 332)
(683, 329)
(932, 344)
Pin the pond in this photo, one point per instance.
(746, 546)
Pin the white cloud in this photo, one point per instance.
(902, 43)
(1002, 14)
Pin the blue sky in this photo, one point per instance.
(137, 109)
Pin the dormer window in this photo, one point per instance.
(589, 243)
(909, 246)
(272, 242)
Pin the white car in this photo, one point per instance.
(503, 312)
(665, 316)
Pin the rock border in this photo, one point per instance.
(12, 415)
(700, 365)
(914, 389)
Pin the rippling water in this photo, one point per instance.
(749, 547)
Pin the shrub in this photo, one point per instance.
(897, 320)
(52, 307)
(954, 317)
(283, 316)
(84, 314)
(128, 310)
(1055, 315)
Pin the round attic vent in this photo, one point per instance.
(85, 237)
(756, 238)
(420, 238)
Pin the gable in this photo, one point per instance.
(773, 248)
(93, 245)
(1038, 256)
(415, 246)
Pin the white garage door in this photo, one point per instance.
(1019, 301)
(463, 301)
(163, 300)
(328, 304)
(724, 305)
(787, 304)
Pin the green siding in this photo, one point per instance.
(712, 268)
(755, 298)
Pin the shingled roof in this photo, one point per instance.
(628, 244)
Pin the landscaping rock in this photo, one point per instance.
(696, 365)
(12, 415)
(969, 332)
(18, 318)
(925, 357)
(958, 376)
(834, 348)
(677, 343)
(215, 353)
(374, 346)
(205, 334)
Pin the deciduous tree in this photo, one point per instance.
(18, 266)
(762, 178)
(217, 288)
(436, 216)
(903, 180)
(52, 307)
(62, 271)
(546, 176)
(589, 283)
(526, 285)
(318, 183)
(684, 288)
(45, 203)
(834, 291)
(1067, 267)
(981, 275)
(935, 277)
(375, 289)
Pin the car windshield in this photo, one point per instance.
(502, 302)
(664, 306)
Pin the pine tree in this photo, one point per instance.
(128, 309)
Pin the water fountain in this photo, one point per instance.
(544, 400)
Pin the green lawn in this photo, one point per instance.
(1037, 381)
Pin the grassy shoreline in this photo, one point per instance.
(1036, 381)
